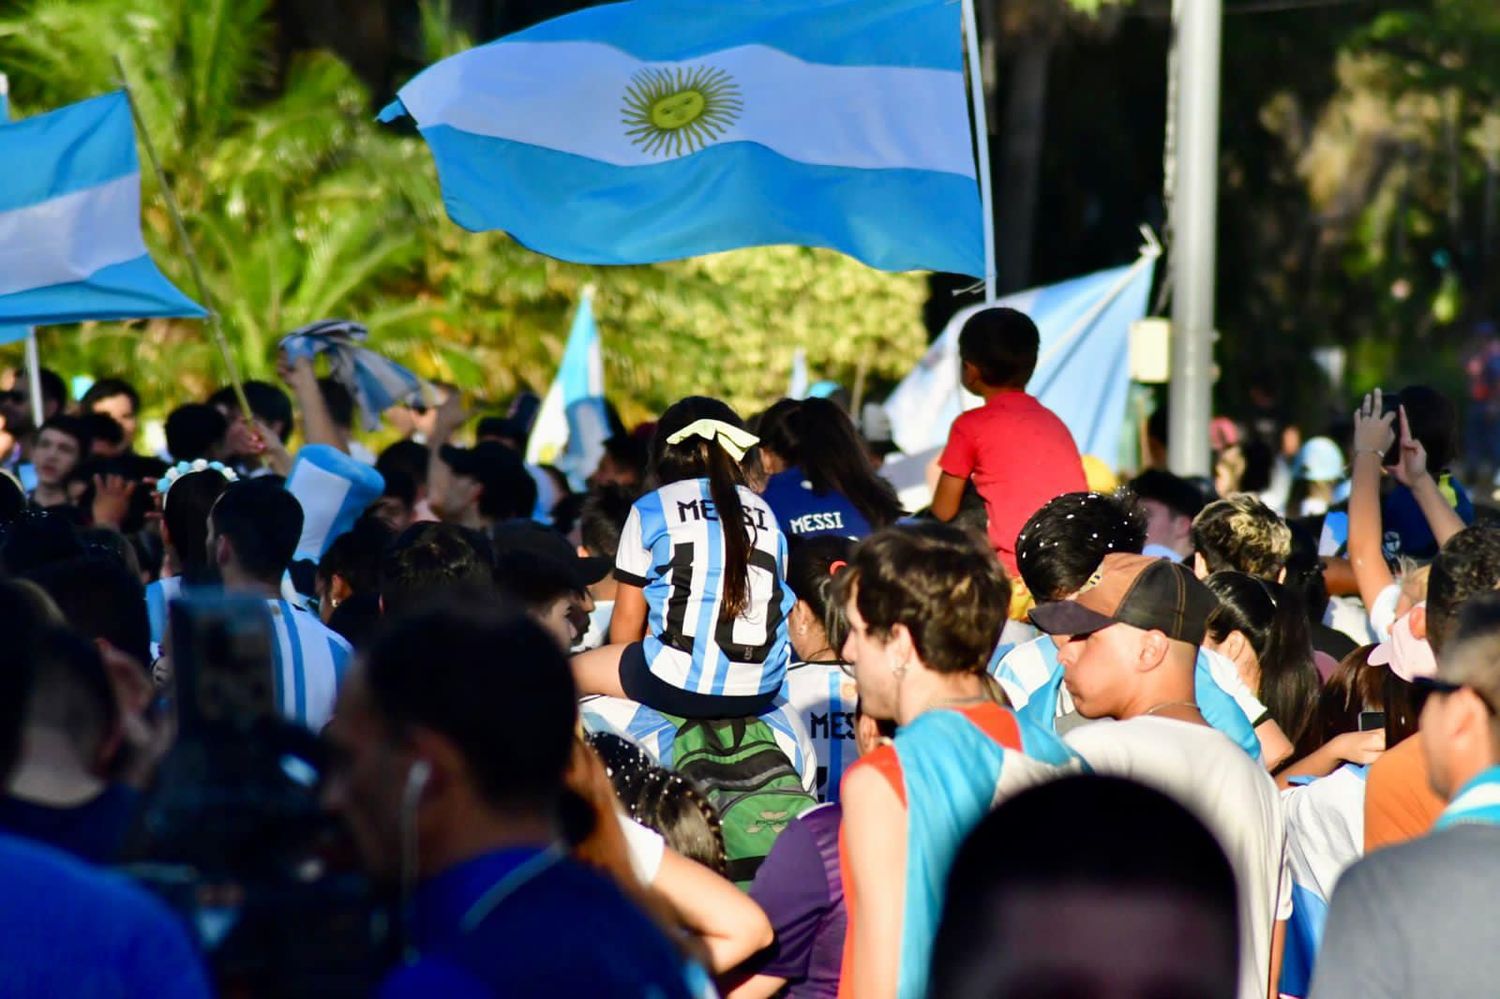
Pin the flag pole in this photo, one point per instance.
(33, 356)
(214, 325)
(982, 148)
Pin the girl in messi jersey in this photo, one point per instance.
(925, 605)
(700, 620)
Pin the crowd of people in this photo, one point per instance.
(730, 720)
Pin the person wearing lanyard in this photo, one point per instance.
(455, 795)
(1419, 918)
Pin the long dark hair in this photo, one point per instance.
(1355, 687)
(812, 567)
(185, 510)
(1275, 624)
(817, 436)
(697, 458)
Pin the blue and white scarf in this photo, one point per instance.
(376, 382)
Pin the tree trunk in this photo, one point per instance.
(1021, 159)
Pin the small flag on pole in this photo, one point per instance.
(659, 129)
(70, 221)
(573, 423)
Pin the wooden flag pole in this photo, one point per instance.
(982, 149)
(214, 324)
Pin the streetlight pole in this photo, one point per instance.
(1198, 26)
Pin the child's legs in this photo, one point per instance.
(598, 671)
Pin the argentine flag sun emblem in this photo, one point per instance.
(671, 113)
(630, 133)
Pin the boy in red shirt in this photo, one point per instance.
(1017, 451)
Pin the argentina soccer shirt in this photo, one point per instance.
(672, 547)
(309, 662)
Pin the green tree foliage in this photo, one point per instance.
(303, 208)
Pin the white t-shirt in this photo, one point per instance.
(1383, 613)
(1236, 799)
(645, 847)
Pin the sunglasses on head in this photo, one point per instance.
(1426, 686)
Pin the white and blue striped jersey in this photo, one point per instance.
(1325, 835)
(159, 593)
(656, 734)
(824, 697)
(309, 664)
(672, 548)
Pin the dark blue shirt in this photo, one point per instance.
(528, 922)
(1406, 529)
(94, 831)
(805, 513)
(69, 929)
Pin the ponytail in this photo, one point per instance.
(697, 458)
(724, 478)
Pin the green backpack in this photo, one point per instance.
(748, 778)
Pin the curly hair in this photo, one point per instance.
(1241, 533)
(938, 581)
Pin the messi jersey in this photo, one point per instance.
(805, 513)
(310, 662)
(825, 698)
(672, 547)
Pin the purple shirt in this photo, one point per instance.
(802, 892)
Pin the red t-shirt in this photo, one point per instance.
(1020, 455)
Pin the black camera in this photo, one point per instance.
(232, 835)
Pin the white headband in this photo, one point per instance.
(731, 438)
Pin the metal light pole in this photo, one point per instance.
(1198, 25)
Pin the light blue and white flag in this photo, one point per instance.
(70, 220)
(375, 381)
(797, 384)
(1083, 366)
(8, 334)
(573, 423)
(658, 129)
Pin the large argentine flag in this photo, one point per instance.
(70, 220)
(658, 129)
(573, 423)
(1082, 372)
(8, 334)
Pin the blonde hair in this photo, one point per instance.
(1241, 533)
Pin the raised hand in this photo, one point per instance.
(1373, 430)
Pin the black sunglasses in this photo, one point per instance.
(1426, 686)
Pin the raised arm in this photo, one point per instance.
(449, 417)
(317, 423)
(1372, 437)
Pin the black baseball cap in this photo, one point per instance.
(1153, 594)
(528, 537)
(515, 425)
